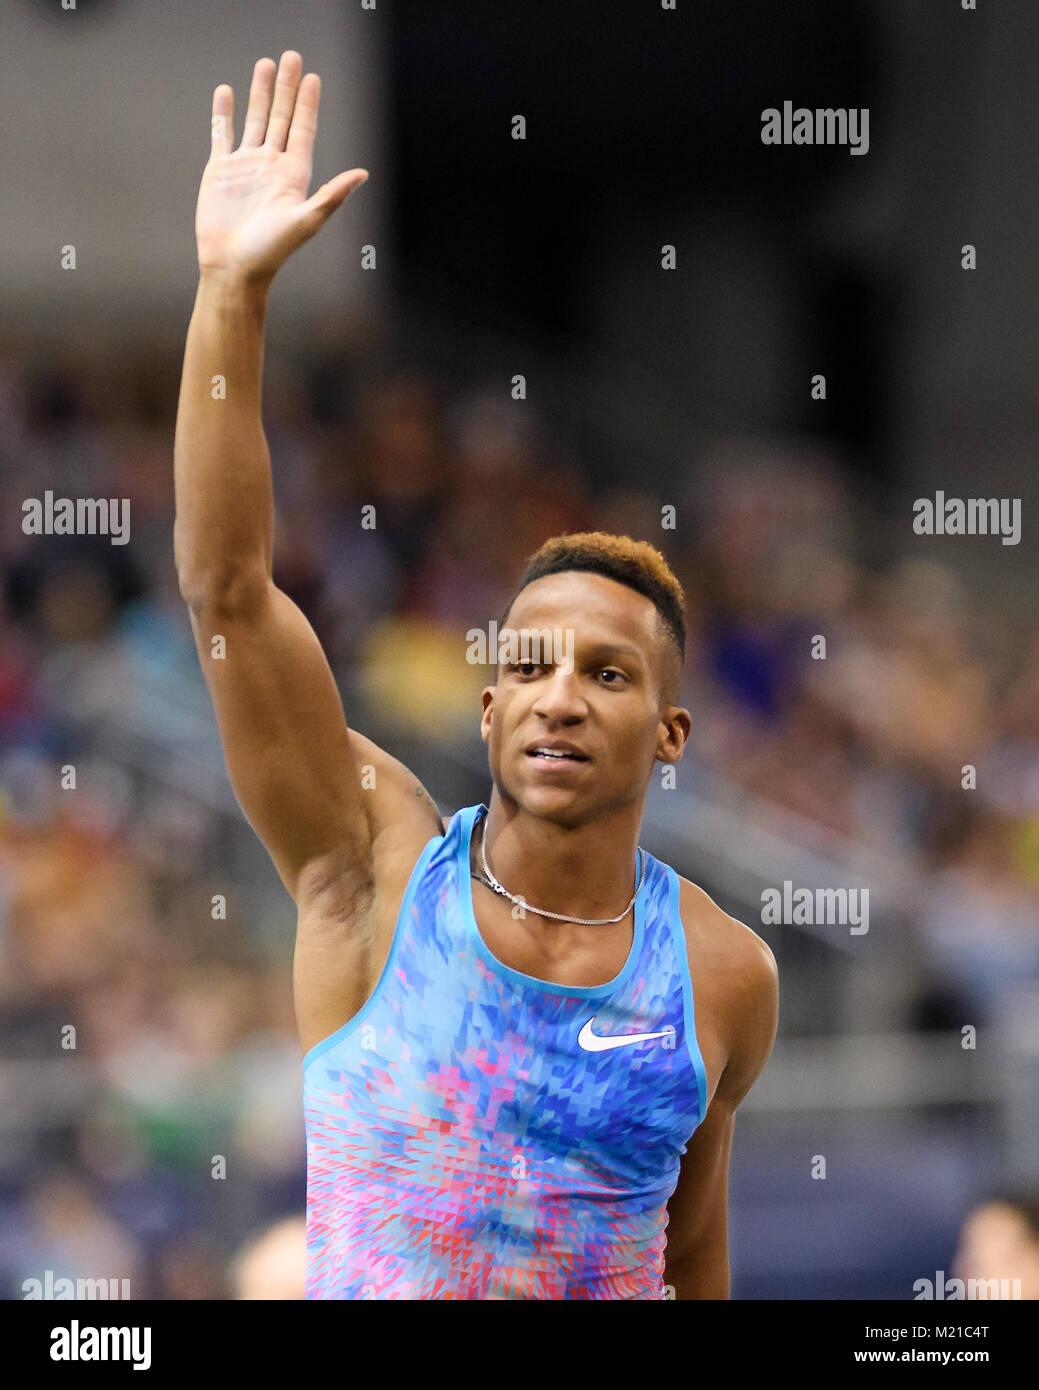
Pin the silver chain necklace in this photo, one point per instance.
(493, 883)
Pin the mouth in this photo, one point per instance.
(557, 755)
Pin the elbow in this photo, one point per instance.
(222, 594)
(217, 583)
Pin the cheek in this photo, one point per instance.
(634, 742)
(495, 722)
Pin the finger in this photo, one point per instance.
(259, 103)
(304, 120)
(222, 123)
(285, 89)
(318, 208)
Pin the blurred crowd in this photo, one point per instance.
(152, 1124)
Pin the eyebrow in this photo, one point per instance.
(612, 649)
(590, 651)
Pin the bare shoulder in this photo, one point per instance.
(736, 986)
(335, 891)
(395, 799)
(725, 938)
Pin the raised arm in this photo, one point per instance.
(294, 766)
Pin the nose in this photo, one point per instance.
(559, 697)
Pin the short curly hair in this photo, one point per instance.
(637, 564)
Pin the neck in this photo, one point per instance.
(582, 871)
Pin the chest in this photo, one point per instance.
(592, 956)
(560, 953)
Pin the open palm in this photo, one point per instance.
(253, 210)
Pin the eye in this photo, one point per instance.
(619, 676)
(524, 668)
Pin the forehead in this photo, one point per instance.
(597, 608)
(993, 1217)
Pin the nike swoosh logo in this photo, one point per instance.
(592, 1042)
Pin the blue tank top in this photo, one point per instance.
(477, 1133)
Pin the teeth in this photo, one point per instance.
(553, 753)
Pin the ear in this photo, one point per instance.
(487, 702)
(676, 725)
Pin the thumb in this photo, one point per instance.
(322, 204)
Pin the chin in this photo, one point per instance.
(563, 804)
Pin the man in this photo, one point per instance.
(271, 1265)
(509, 1092)
(998, 1251)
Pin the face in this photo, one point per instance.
(996, 1243)
(600, 723)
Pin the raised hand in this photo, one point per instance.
(253, 210)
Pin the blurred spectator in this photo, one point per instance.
(272, 1265)
(67, 1234)
(999, 1244)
